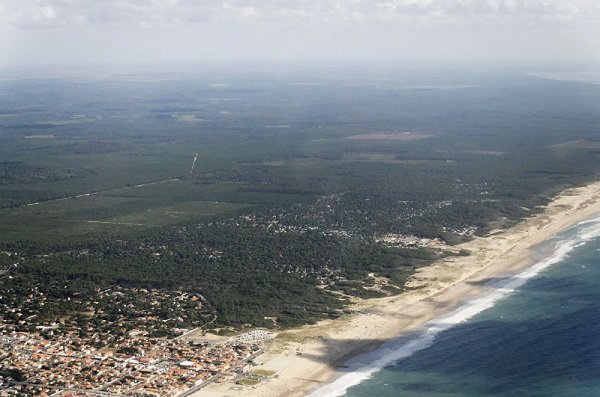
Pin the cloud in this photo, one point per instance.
(27, 14)
(208, 29)
(240, 13)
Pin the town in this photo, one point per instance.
(68, 365)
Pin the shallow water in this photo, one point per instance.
(536, 334)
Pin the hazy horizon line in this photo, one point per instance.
(303, 63)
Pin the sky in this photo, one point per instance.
(39, 32)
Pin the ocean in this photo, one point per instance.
(535, 334)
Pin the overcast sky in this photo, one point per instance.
(84, 31)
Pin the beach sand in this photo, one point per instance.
(306, 358)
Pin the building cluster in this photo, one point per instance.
(114, 311)
(255, 336)
(34, 365)
(404, 240)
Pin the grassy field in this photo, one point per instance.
(125, 210)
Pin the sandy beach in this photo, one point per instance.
(309, 357)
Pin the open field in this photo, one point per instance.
(390, 136)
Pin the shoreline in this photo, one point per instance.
(310, 357)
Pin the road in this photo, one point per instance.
(100, 192)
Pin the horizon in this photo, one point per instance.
(321, 68)
(58, 32)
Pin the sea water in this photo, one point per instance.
(533, 334)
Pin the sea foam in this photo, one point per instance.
(364, 366)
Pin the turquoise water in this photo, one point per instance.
(542, 339)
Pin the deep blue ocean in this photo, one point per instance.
(539, 336)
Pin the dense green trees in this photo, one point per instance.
(276, 226)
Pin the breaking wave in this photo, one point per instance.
(364, 366)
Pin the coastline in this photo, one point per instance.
(312, 356)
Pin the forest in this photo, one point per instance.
(284, 218)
